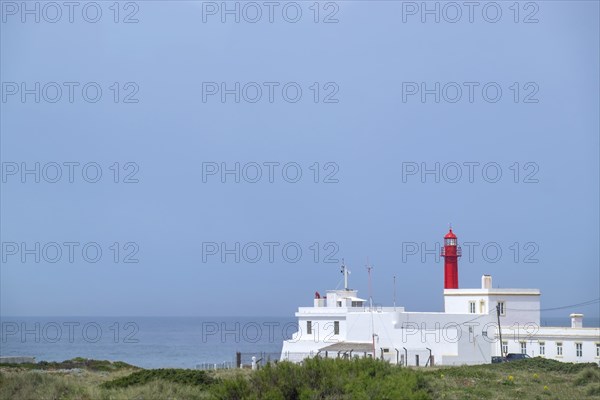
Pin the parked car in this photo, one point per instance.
(509, 357)
(516, 356)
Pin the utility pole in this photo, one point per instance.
(499, 329)
(394, 292)
(369, 269)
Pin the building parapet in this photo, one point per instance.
(492, 292)
(345, 310)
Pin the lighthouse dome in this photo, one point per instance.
(450, 235)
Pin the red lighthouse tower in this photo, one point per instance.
(451, 251)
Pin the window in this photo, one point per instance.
(523, 347)
(578, 349)
(481, 307)
(336, 327)
(542, 348)
(597, 349)
(309, 327)
(472, 307)
(504, 347)
(559, 349)
(339, 303)
(502, 308)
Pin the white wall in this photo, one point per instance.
(454, 337)
(447, 335)
(520, 308)
(588, 337)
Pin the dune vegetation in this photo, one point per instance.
(315, 379)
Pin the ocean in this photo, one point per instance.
(158, 342)
(148, 342)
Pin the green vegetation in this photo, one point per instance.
(323, 379)
(182, 376)
(326, 379)
(84, 363)
(536, 378)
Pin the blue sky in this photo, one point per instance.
(370, 136)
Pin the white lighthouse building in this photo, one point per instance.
(341, 324)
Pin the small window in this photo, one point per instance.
(504, 347)
(597, 349)
(336, 327)
(339, 303)
(386, 349)
(579, 349)
(559, 348)
(502, 308)
(472, 307)
(542, 348)
(309, 327)
(523, 347)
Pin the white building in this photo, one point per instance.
(344, 325)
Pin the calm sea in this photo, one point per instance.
(149, 342)
(157, 342)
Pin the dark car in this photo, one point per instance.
(509, 357)
(516, 356)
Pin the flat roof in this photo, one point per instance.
(354, 298)
(360, 347)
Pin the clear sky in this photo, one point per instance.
(370, 132)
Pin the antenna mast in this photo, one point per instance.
(369, 268)
(394, 292)
(346, 273)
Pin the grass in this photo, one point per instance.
(326, 379)
(536, 378)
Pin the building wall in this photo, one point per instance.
(454, 337)
(451, 338)
(589, 338)
(520, 308)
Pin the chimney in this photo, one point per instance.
(576, 320)
(486, 282)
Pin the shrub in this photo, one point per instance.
(586, 376)
(593, 390)
(319, 378)
(183, 376)
(78, 362)
(544, 364)
(235, 388)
